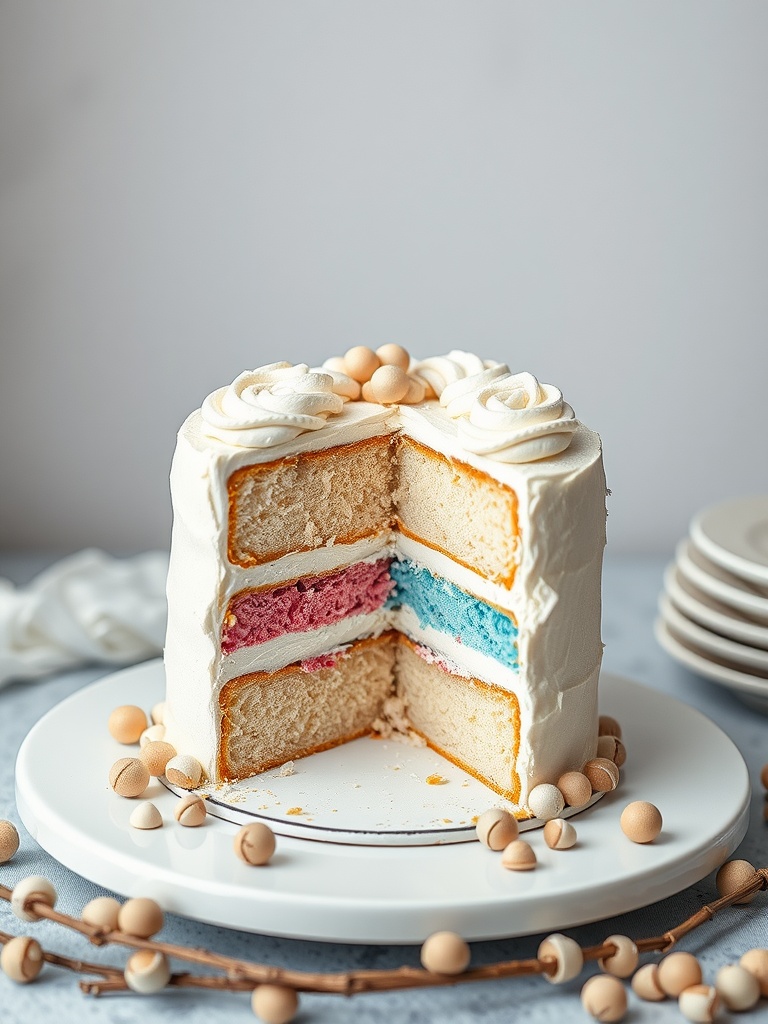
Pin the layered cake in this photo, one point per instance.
(410, 548)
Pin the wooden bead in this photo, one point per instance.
(361, 362)
(191, 811)
(645, 984)
(255, 844)
(566, 953)
(737, 987)
(518, 856)
(641, 822)
(9, 840)
(612, 748)
(497, 828)
(184, 771)
(274, 1004)
(445, 953)
(147, 972)
(756, 962)
(394, 355)
(699, 1003)
(390, 384)
(764, 776)
(146, 816)
(576, 788)
(34, 888)
(623, 962)
(732, 875)
(603, 774)
(21, 959)
(141, 917)
(102, 912)
(156, 754)
(127, 723)
(677, 972)
(129, 777)
(559, 834)
(607, 726)
(546, 801)
(157, 714)
(604, 998)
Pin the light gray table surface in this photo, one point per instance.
(631, 588)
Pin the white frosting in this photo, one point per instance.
(555, 597)
(273, 404)
(516, 419)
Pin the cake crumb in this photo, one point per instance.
(447, 821)
(436, 780)
(294, 810)
(394, 723)
(286, 770)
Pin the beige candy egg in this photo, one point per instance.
(102, 912)
(129, 777)
(21, 959)
(603, 774)
(156, 754)
(9, 840)
(389, 384)
(152, 734)
(184, 771)
(497, 828)
(34, 887)
(559, 834)
(146, 816)
(157, 714)
(394, 355)
(565, 953)
(127, 723)
(607, 726)
(677, 972)
(360, 363)
(518, 856)
(147, 971)
(737, 987)
(641, 821)
(612, 748)
(576, 788)
(645, 984)
(368, 394)
(191, 811)
(756, 962)
(546, 801)
(336, 364)
(141, 917)
(445, 953)
(274, 1004)
(255, 844)
(624, 961)
(732, 875)
(604, 998)
(699, 1003)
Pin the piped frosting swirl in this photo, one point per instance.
(273, 404)
(516, 419)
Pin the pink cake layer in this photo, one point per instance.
(256, 616)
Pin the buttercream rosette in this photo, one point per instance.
(273, 404)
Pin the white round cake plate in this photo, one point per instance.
(340, 892)
(720, 584)
(734, 534)
(712, 614)
(751, 659)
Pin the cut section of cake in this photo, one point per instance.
(334, 558)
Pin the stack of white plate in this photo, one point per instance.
(713, 612)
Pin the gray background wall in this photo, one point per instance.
(191, 188)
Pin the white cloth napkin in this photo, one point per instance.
(86, 608)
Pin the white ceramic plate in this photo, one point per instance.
(751, 689)
(752, 659)
(347, 893)
(712, 614)
(734, 534)
(721, 584)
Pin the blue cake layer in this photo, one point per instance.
(449, 609)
